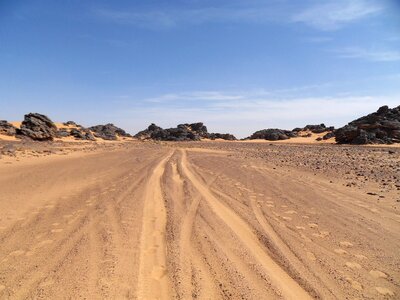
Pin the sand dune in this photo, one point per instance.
(152, 221)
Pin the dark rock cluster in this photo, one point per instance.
(7, 128)
(381, 127)
(39, 127)
(108, 132)
(183, 132)
(70, 123)
(222, 136)
(273, 134)
(82, 134)
(320, 128)
(329, 135)
(78, 132)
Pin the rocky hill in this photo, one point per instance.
(381, 127)
(183, 132)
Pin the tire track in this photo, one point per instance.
(153, 281)
(189, 274)
(287, 286)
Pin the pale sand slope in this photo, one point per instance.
(153, 222)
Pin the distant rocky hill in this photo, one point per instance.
(381, 127)
(183, 132)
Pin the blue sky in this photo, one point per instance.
(237, 65)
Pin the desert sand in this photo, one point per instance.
(205, 220)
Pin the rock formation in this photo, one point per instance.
(273, 134)
(320, 128)
(70, 123)
(38, 127)
(7, 128)
(183, 132)
(381, 127)
(82, 134)
(108, 132)
(222, 136)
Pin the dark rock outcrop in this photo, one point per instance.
(196, 128)
(7, 128)
(223, 136)
(273, 134)
(315, 128)
(381, 127)
(329, 135)
(89, 135)
(175, 134)
(108, 132)
(38, 127)
(63, 133)
(70, 123)
(146, 134)
(82, 134)
(183, 132)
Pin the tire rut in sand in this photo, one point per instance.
(286, 285)
(194, 278)
(153, 281)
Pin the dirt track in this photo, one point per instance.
(153, 222)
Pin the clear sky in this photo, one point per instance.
(237, 65)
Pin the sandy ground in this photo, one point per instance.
(199, 220)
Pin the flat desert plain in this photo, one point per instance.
(201, 220)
